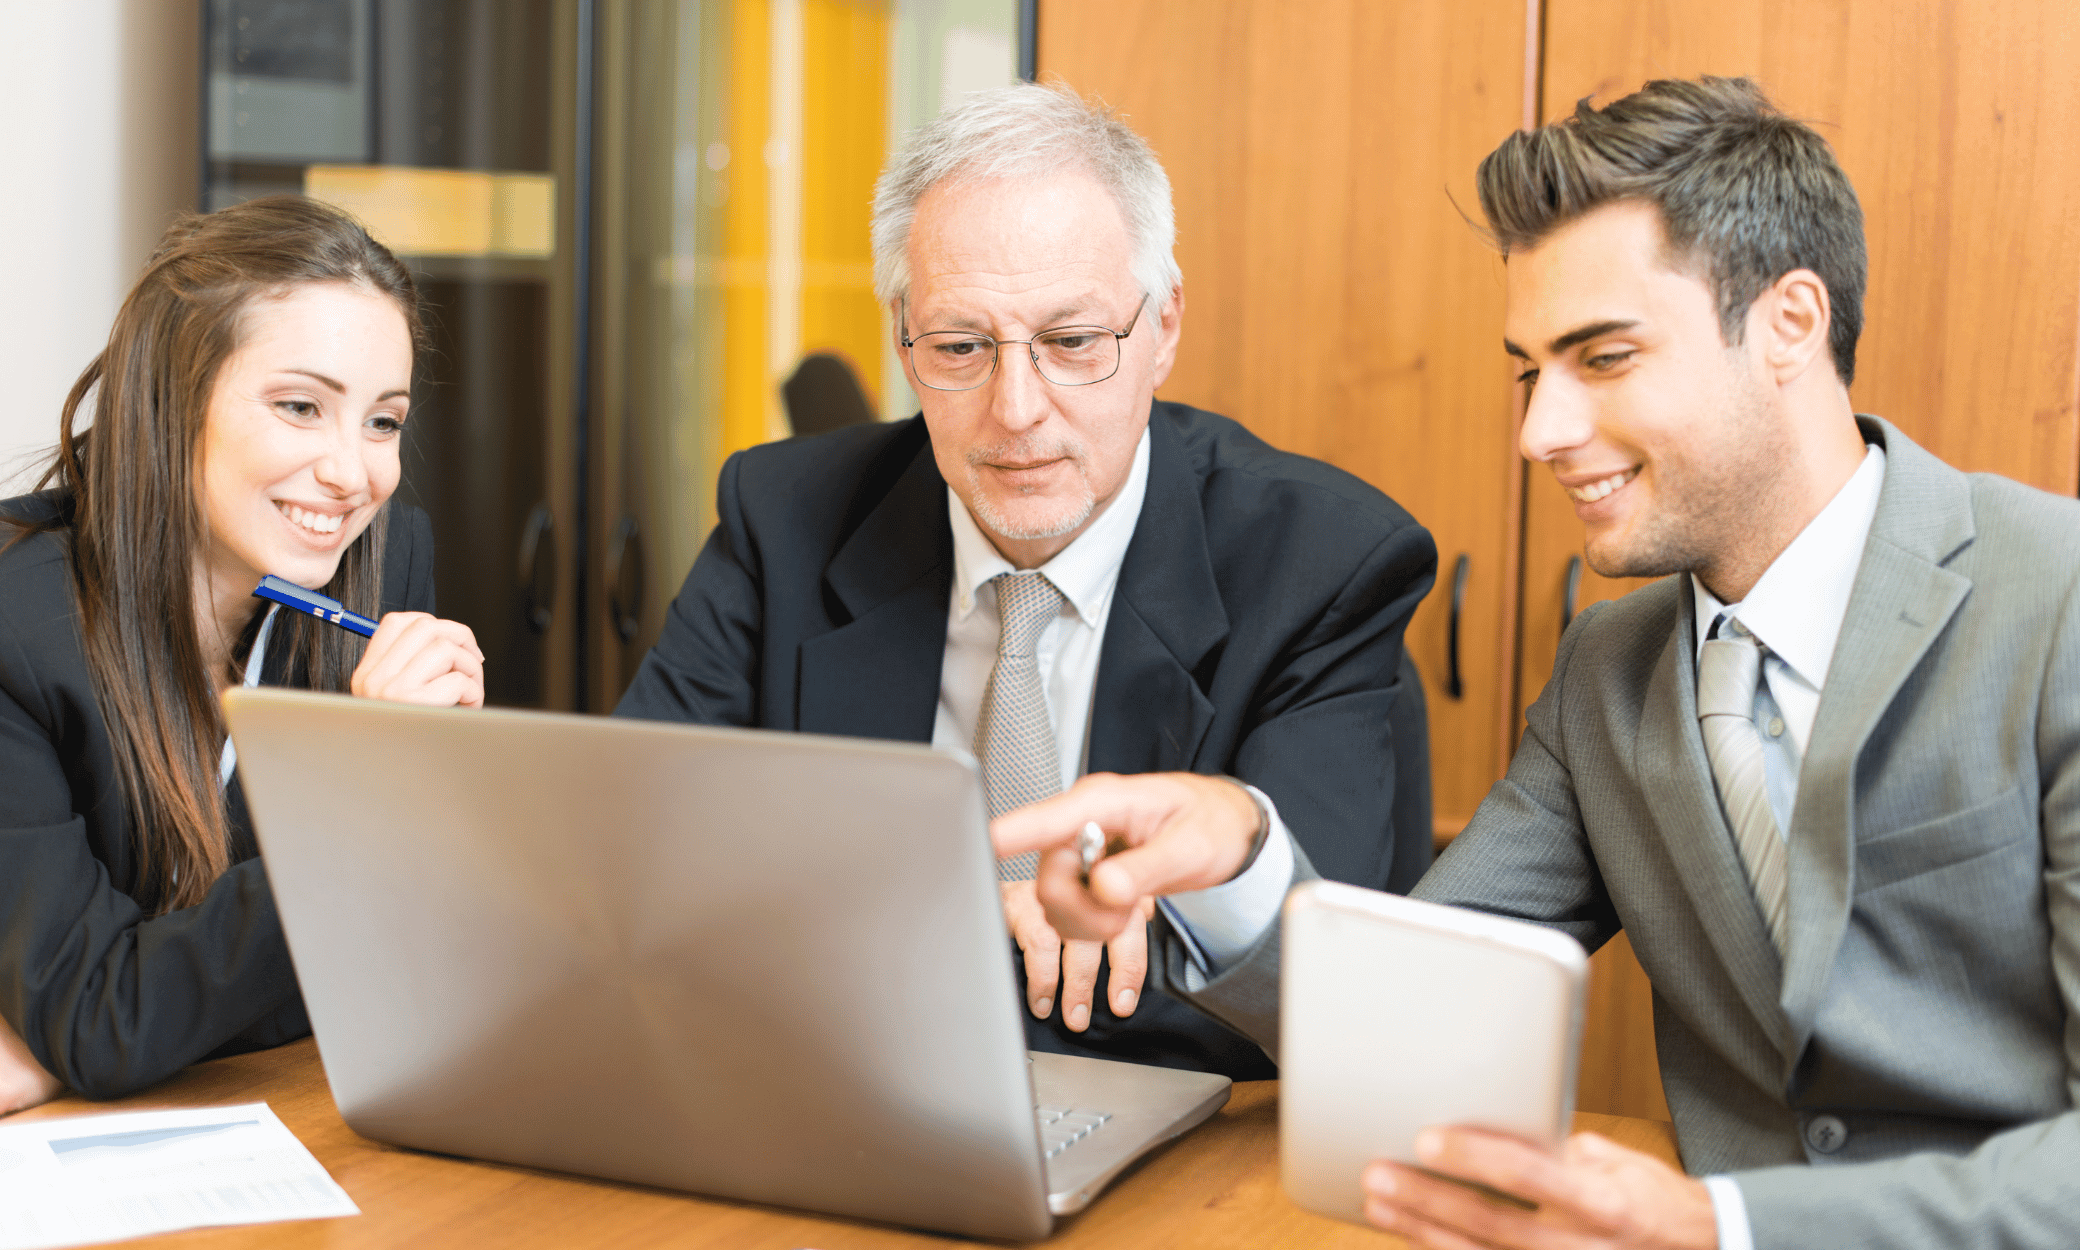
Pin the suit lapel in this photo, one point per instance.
(1670, 761)
(877, 674)
(1902, 601)
(1149, 713)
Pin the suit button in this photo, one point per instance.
(1826, 1134)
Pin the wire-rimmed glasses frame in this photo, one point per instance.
(1032, 346)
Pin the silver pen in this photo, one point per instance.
(1092, 845)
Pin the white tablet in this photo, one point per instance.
(1396, 1015)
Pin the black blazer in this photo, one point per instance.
(1256, 631)
(107, 1000)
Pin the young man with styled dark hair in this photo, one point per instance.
(1826, 774)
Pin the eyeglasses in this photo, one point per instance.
(961, 360)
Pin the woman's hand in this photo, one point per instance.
(419, 658)
(23, 1082)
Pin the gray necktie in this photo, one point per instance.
(1014, 738)
(1727, 673)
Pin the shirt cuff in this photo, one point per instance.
(1222, 923)
(1730, 1213)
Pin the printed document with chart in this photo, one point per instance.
(104, 1177)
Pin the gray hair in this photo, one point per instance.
(1028, 130)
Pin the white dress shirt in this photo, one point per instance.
(1087, 573)
(255, 659)
(1796, 611)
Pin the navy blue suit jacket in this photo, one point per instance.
(109, 999)
(1256, 631)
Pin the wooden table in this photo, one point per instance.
(1218, 1186)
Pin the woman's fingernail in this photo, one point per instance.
(1043, 1007)
(1079, 1017)
(1380, 1181)
(1429, 1145)
(1124, 1001)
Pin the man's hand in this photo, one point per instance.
(1183, 832)
(1074, 964)
(1594, 1195)
(419, 658)
(23, 1082)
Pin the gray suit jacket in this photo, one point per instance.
(1930, 1000)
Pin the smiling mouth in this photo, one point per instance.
(1602, 487)
(312, 522)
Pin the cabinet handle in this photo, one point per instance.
(1454, 688)
(1573, 594)
(536, 573)
(625, 590)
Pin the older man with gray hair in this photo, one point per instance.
(1053, 569)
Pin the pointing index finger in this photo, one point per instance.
(1097, 798)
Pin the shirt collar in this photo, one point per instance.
(1085, 571)
(1796, 609)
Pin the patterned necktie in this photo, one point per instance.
(1014, 738)
(1727, 673)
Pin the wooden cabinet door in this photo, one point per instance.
(1953, 121)
(1337, 302)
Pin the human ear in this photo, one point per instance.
(1170, 326)
(1794, 315)
(895, 340)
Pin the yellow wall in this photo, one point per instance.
(844, 135)
(746, 389)
(843, 73)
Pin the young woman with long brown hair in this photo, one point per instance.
(246, 416)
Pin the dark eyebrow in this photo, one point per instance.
(1573, 338)
(336, 387)
(321, 378)
(1583, 334)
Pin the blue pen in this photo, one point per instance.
(290, 595)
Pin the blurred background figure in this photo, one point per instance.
(823, 394)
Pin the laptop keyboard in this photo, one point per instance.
(1061, 1127)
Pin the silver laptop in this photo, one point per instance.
(769, 967)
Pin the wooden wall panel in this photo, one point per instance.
(1620, 1074)
(1337, 303)
(1552, 537)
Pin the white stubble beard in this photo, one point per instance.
(993, 518)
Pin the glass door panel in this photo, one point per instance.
(739, 147)
(445, 126)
